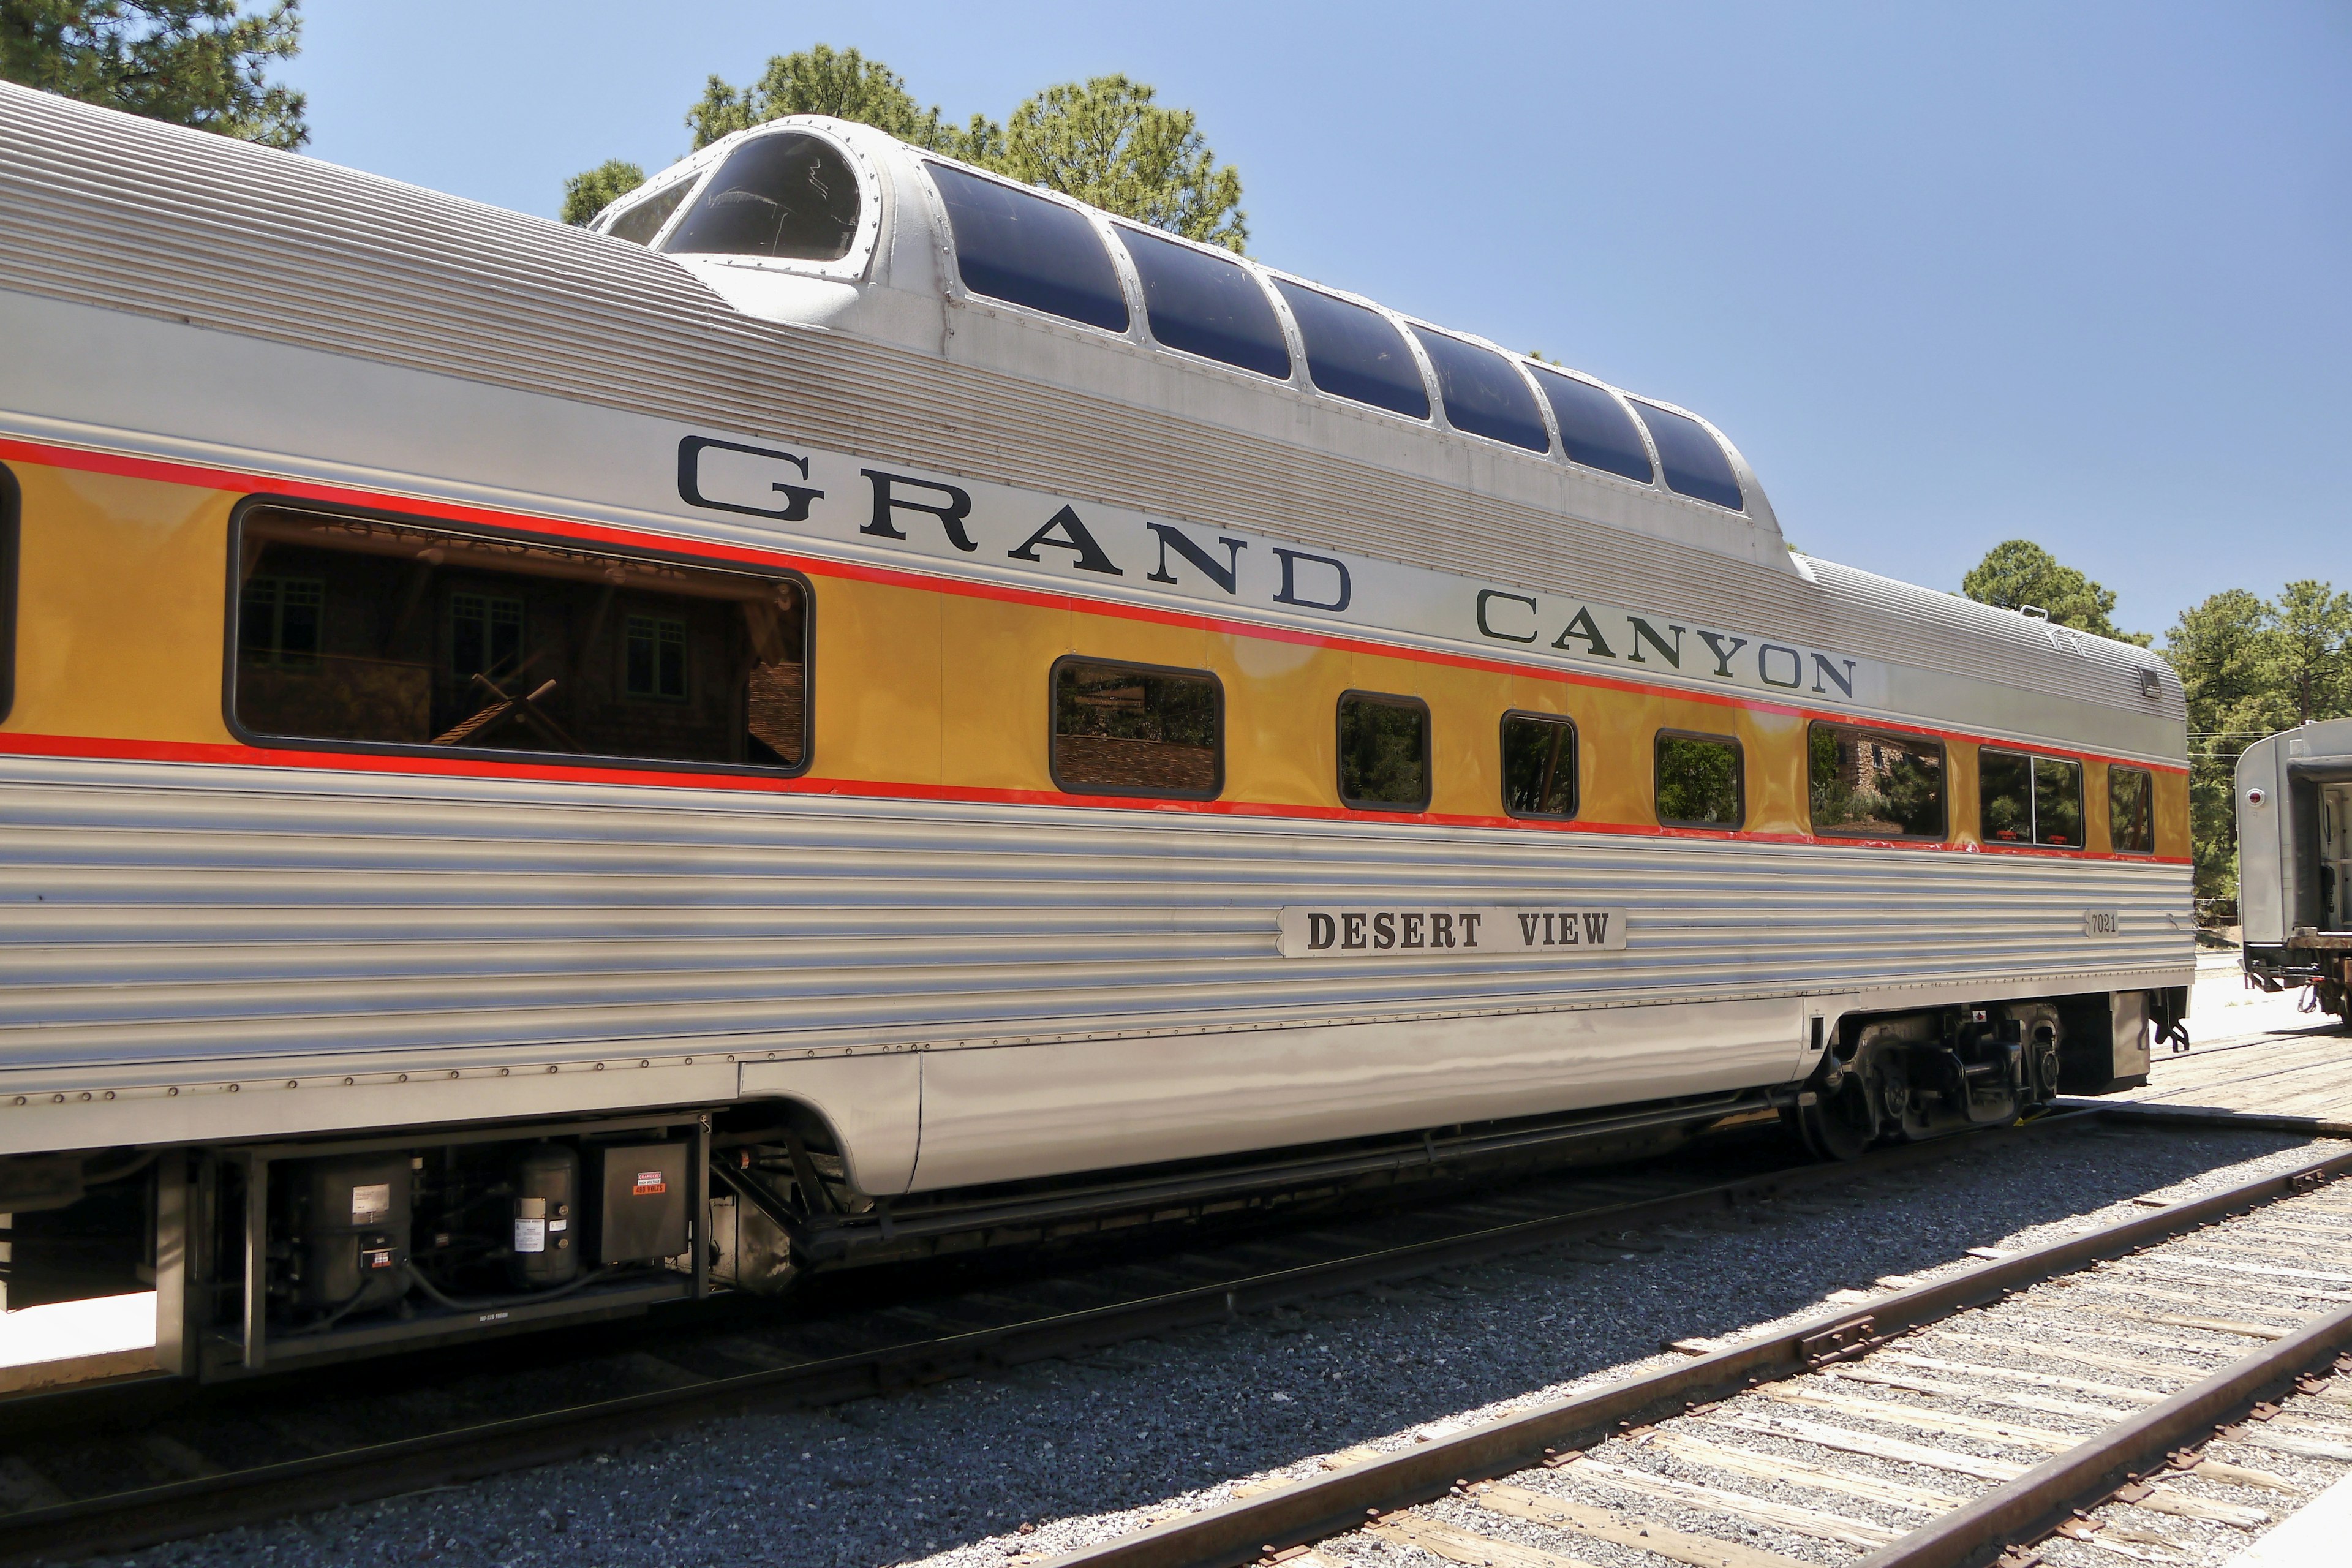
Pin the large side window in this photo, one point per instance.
(1693, 459)
(1594, 428)
(1384, 751)
(2029, 800)
(372, 634)
(787, 194)
(1026, 250)
(8, 508)
(1484, 393)
(1132, 729)
(1702, 781)
(2131, 810)
(1206, 305)
(1538, 765)
(1355, 353)
(1868, 785)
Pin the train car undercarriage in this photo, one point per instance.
(1909, 1076)
(266, 1256)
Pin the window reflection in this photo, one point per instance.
(2029, 800)
(2131, 810)
(639, 223)
(1538, 766)
(788, 194)
(1484, 393)
(1126, 729)
(386, 635)
(1355, 353)
(1206, 305)
(1871, 784)
(1693, 459)
(1010, 245)
(1594, 428)
(1384, 751)
(2057, 802)
(1699, 781)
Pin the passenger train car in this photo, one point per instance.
(2294, 861)
(858, 709)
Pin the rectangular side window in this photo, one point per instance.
(1868, 784)
(1701, 781)
(2029, 800)
(382, 634)
(1538, 765)
(2005, 794)
(7, 592)
(1131, 729)
(1384, 751)
(2057, 802)
(2131, 810)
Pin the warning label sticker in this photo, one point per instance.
(650, 1183)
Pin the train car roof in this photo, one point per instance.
(919, 216)
(884, 350)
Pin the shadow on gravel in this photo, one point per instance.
(945, 1471)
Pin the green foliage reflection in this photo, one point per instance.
(1384, 751)
(1867, 783)
(1698, 781)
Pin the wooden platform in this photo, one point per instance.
(2253, 1053)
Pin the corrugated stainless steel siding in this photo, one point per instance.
(174, 915)
(126, 214)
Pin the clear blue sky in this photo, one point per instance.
(2079, 272)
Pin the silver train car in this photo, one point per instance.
(857, 710)
(2294, 861)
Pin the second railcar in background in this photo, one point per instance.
(863, 709)
(2294, 861)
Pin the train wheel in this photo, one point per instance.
(1835, 1127)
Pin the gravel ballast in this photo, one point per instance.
(1083, 1450)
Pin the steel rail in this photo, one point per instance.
(1324, 1506)
(2027, 1507)
(127, 1521)
(2161, 1112)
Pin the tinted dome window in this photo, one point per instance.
(1026, 250)
(789, 195)
(1693, 463)
(1355, 353)
(1594, 428)
(641, 223)
(1482, 393)
(1206, 306)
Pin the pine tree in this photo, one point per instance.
(202, 63)
(2250, 667)
(1107, 140)
(2018, 573)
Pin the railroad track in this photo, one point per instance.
(79, 1478)
(1981, 1416)
(133, 1467)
